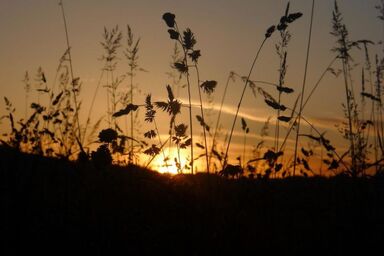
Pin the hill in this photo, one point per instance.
(56, 207)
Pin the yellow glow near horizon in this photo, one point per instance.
(170, 167)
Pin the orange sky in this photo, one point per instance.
(228, 33)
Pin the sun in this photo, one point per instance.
(169, 166)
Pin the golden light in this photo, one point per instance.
(169, 166)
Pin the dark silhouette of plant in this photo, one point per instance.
(131, 53)
(111, 43)
(187, 41)
(27, 89)
(177, 133)
(245, 128)
(231, 77)
(342, 48)
(75, 85)
(234, 171)
(282, 25)
(303, 92)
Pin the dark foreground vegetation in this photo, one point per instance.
(53, 207)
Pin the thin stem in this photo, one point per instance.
(190, 116)
(131, 95)
(161, 143)
(189, 97)
(307, 100)
(350, 133)
(303, 87)
(244, 144)
(202, 115)
(153, 157)
(318, 132)
(70, 67)
(92, 104)
(241, 99)
(218, 117)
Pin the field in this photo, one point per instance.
(256, 162)
(52, 206)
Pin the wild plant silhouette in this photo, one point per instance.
(85, 186)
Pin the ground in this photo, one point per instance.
(56, 207)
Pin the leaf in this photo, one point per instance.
(272, 156)
(107, 135)
(215, 153)
(150, 134)
(152, 151)
(278, 167)
(305, 152)
(173, 34)
(270, 31)
(306, 165)
(294, 16)
(202, 123)
(271, 101)
(200, 145)
(57, 99)
(285, 89)
(209, 86)
(162, 105)
(130, 107)
(169, 19)
(326, 161)
(186, 144)
(243, 124)
(180, 130)
(333, 165)
(275, 105)
(171, 97)
(181, 67)
(7, 102)
(286, 119)
(37, 107)
(195, 55)
(188, 39)
(370, 96)
(150, 113)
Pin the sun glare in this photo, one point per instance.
(169, 166)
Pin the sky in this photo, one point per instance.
(228, 33)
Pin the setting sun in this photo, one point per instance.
(169, 166)
(218, 127)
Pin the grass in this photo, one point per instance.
(65, 189)
(53, 127)
(57, 206)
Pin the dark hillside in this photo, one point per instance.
(56, 207)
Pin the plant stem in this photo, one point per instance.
(131, 94)
(189, 96)
(190, 115)
(92, 104)
(202, 115)
(350, 133)
(218, 118)
(303, 88)
(241, 99)
(306, 101)
(70, 67)
(161, 143)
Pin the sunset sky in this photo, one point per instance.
(228, 33)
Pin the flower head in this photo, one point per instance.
(169, 18)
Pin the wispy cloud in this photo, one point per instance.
(259, 116)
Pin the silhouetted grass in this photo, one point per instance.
(56, 207)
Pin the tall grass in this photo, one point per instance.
(51, 125)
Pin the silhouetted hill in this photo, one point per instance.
(57, 207)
